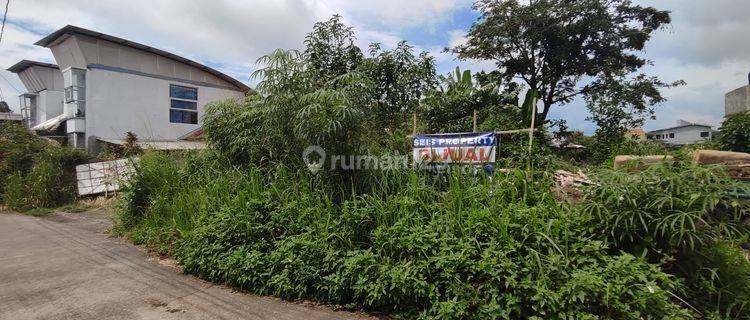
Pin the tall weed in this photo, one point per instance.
(463, 247)
(35, 173)
(687, 218)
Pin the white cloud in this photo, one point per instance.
(231, 34)
(399, 14)
(227, 33)
(706, 45)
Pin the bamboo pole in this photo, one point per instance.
(531, 129)
(413, 124)
(531, 139)
(475, 120)
(496, 132)
(514, 131)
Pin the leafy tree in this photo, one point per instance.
(289, 113)
(621, 104)
(553, 45)
(451, 106)
(735, 133)
(330, 50)
(328, 95)
(400, 79)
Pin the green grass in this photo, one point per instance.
(412, 246)
(35, 173)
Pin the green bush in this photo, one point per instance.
(735, 133)
(603, 151)
(35, 173)
(718, 278)
(681, 216)
(478, 249)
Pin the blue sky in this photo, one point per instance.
(707, 44)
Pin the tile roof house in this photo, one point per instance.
(104, 86)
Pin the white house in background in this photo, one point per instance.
(104, 86)
(682, 134)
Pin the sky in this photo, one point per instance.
(706, 45)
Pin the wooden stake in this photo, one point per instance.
(475, 120)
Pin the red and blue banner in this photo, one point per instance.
(455, 148)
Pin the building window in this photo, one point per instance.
(183, 106)
(671, 135)
(75, 92)
(705, 134)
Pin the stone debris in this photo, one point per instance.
(568, 185)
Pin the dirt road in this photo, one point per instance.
(66, 268)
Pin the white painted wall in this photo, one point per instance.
(78, 51)
(737, 100)
(118, 102)
(37, 78)
(49, 104)
(683, 135)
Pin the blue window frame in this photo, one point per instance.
(183, 107)
(183, 116)
(182, 104)
(182, 92)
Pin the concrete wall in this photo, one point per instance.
(118, 102)
(683, 135)
(49, 104)
(37, 78)
(128, 89)
(79, 51)
(737, 100)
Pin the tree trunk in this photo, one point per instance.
(543, 117)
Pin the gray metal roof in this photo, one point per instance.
(66, 31)
(24, 64)
(677, 127)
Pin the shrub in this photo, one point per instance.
(35, 173)
(681, 216)
(473, 248)
(735, 133)
(603, 151)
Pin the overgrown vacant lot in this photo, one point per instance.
(658, 244)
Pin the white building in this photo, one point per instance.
(737, 100)
(682, 134)
(44, 83)
(104, 86)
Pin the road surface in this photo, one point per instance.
(65, 267)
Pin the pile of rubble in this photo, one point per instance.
(568, 185)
